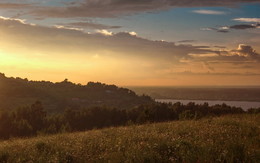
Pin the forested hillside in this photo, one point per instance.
(17, 92)
(67, 107)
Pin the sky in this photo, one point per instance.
(132, 42)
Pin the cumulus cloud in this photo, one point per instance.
(156, 55)
(243, 54)
(246, 51)
(133, 33)
(209, 12)
(105, 32)
(60, 39)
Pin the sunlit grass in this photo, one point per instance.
(228, 138)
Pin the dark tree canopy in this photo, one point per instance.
(18, 92)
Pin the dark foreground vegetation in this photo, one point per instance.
(232, 138)
(137, 127)
(33, 120)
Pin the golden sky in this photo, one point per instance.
(125, 57)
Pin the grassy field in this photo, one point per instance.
(234, 138)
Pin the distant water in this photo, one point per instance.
(243, 104)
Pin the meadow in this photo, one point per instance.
(229, 138)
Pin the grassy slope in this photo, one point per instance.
(230, 138)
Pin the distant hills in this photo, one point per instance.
(18, 92)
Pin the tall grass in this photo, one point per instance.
(234, 138)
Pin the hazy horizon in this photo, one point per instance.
(146, 86)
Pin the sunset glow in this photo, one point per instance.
(149, 43)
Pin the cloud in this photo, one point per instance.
(210, 29)
(243, 54)
(216, 73)
(66, 27)
(244, 26)
(248, 20)
(187, 41)
(133, 33)
(123, 44)
(14, 5)
(105, 32)
(149, 55)
(221, 47)
(222, 31)
(115, 8)
(129, 43)
(89, 25)
(246, 51)
(226, 29)
(22, 21)
(209, 12)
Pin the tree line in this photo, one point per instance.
(33, 120)
(16, 92)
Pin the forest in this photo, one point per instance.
(50, 108)
(43, 121)
(34, 120)
(56, 97)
